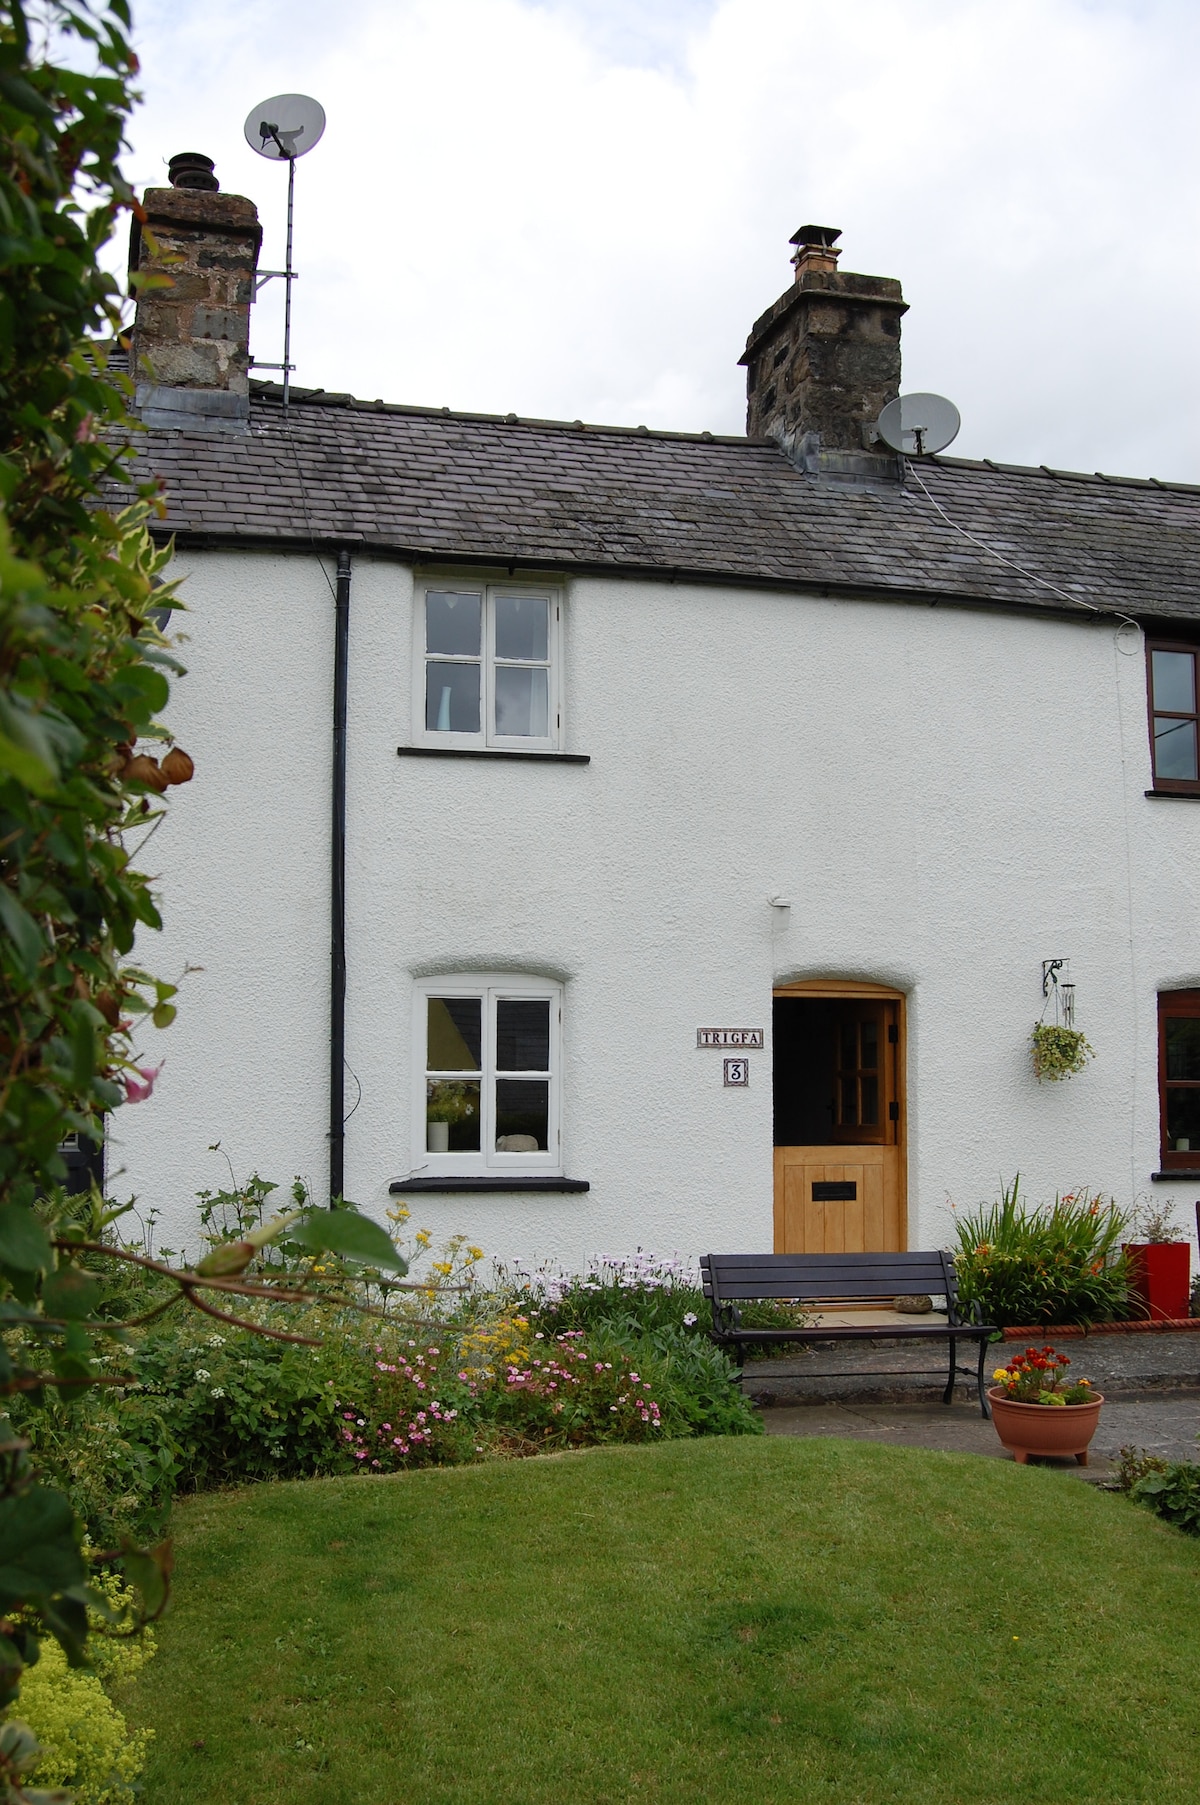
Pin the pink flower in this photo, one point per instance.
(138, 1093)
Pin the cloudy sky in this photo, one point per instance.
(576, 208)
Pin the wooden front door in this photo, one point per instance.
(839, 1144)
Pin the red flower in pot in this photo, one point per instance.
(1037, 1410)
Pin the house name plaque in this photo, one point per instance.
(729, 1037)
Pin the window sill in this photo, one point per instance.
(544, 758)
(538, 1182)
(1190, 1172)
(1173, 795)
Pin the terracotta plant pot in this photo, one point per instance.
(1027, 1429)
(1161, 1276)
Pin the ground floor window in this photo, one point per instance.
(1179, 1078)
(488, 1063)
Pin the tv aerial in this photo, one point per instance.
(919, 425)
(281, 129)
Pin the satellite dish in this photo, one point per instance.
(919, 424)
(284, 127)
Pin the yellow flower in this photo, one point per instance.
(476, 1253)
(1001, 1373)
(423, 1237)
(444, 1267)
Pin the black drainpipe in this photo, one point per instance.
(337, 863)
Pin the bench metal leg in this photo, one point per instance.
(948, 1394)
(983, 1397)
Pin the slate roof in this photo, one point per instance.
(435, 486)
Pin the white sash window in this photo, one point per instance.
(487, 666)
(487, 1055)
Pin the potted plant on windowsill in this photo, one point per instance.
(1037, 1410)
(446, 1103)
(1159, 1264)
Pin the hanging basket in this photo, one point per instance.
(1059, 1052)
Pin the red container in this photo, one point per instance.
(1161, 1274)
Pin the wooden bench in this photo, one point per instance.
(836, 1281)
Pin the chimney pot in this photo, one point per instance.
(816, 249)
(191, 169)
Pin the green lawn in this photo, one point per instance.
(725, 1620)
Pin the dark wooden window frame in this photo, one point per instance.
(1172, 786)
(883, 1131)
(1172, 1005)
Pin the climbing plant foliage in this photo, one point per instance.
(85, 673)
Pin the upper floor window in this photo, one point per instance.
(488, 666)
(1173, 716)
(488, 1075)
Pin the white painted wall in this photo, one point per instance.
(948, 797)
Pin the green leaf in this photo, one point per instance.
(29, 942)
(39, 1552)
(353, 1236)
(150, 1571)
(24, 1244)
(70, 1293)
(26, 99)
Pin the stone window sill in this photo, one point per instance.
(401, 1187)
(1173, 795)
(1189, 1172)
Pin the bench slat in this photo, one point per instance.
(834, 1278)
(823, 1258)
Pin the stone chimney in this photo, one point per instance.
(190, 347)
(822, 363)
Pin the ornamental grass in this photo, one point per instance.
(1060, 1263)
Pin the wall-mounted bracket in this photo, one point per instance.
(1050, 971)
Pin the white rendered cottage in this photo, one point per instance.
(708, 808)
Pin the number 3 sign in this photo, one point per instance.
(737, 1071)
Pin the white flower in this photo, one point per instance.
(689, 1317)
(216, 1341)
(218, 1391)
(202, 1375)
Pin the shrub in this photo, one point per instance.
(1172, 1493)
(408, 1408)
(694, 1381)
(1133, 1464)
(85, 1743)
(1061, 1264)
(567, 1394)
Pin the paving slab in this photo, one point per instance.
(1161, 1423)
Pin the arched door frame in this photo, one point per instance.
(852, 989)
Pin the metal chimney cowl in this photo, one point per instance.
(190, 342)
